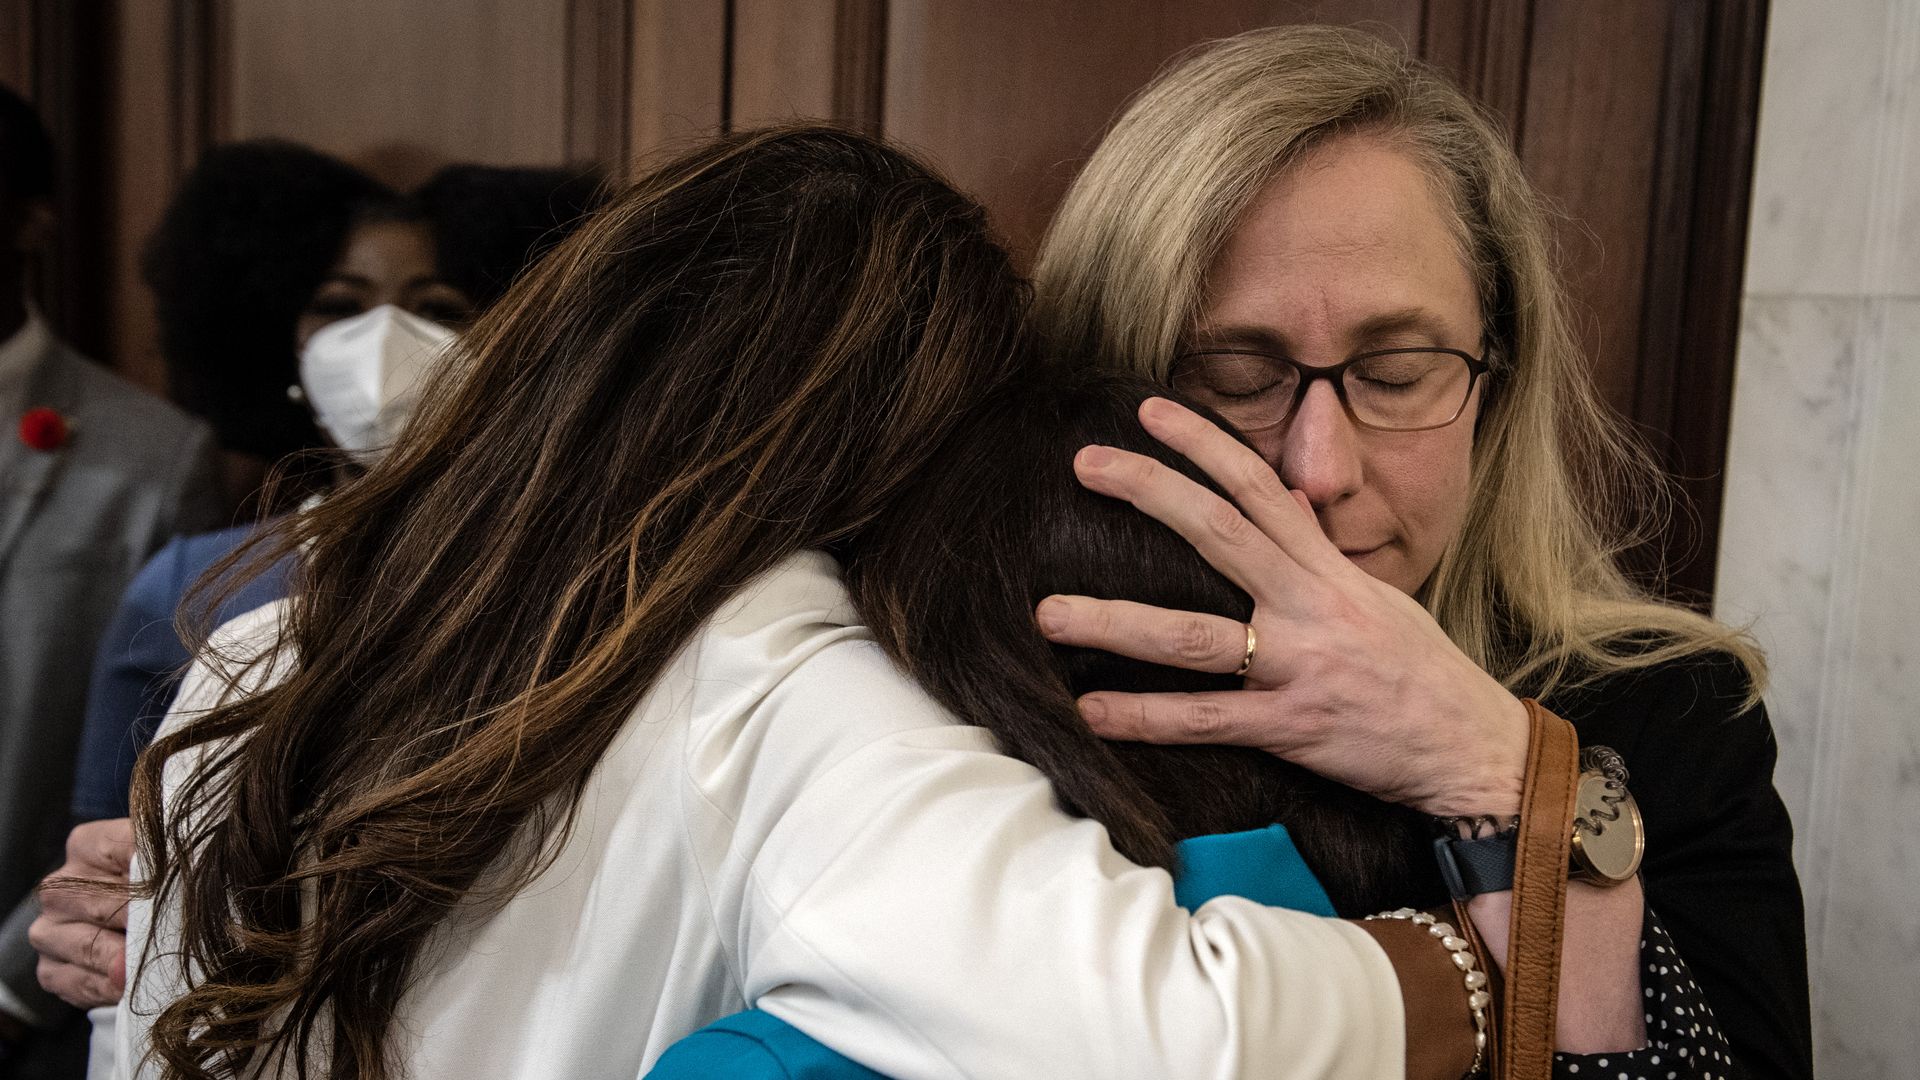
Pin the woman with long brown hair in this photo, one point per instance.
(569, 739)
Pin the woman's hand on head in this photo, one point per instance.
(1351, 677)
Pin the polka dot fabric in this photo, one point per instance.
(1682, 1041)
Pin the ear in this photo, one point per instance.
(1490, 399)
(34, 229)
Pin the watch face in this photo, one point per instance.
(1608, 838)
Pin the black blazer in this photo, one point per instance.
(1719, 863)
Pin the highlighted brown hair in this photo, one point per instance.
(744, 355)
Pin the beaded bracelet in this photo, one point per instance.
(1460, 951)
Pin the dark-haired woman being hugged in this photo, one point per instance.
(569, 740)
(947, 579)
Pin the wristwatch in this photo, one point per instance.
(1476, 855)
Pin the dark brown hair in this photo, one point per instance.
(744, 355)
(949, 577)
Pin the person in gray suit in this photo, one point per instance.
(100, 475)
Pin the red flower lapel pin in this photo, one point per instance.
(43, 428)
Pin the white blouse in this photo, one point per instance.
(789, 822)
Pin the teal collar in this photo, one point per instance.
(1260, 864)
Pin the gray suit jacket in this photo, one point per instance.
(76, 523)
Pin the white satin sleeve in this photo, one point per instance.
(916, 900)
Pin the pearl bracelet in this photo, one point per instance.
(1460, 951)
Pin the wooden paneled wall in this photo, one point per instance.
(398, 88)
(401, 86)
(1635, 116)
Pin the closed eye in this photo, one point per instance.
(1233, 376)
(1239, 392)
(1390, 383)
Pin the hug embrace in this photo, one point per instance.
(787, 642)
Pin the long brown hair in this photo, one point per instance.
(743, 356)
(948, 579)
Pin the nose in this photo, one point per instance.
(1318, 449)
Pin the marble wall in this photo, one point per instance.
(1820, 544)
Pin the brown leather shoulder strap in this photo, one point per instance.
(1532, 983)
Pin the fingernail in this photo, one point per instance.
(1093, 711)
(1052, 615)
(1156, 409)
(1095, 457)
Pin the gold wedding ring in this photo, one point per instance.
(1246, 662)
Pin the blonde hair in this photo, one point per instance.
(1531, 588)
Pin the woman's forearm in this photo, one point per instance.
(1439, 1024)
(1600, 1009)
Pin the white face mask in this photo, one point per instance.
(363, 376)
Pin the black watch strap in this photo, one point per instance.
(1473, 867)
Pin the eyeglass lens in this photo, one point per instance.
(1394, 391)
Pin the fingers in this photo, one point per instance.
(77, 987)
(1283, 516)
(83, 965)
(1226, 718)
(79, 900)
(91, 888)
(102, 849)
(1181, 639)
(77, 945)
(1214, 526)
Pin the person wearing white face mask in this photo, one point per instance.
(363, 376)
(410, 272)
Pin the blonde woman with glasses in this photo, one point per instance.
(1331, 246)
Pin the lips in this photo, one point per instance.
(1358, 552)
